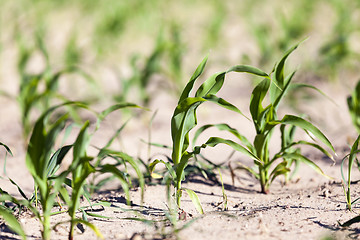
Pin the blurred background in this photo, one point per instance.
(129, 46)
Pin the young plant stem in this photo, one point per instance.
(263, 180)
(47, 230)
(178, 192)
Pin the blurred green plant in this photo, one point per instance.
(44, 163)
(353, 102)
(40, 90)
(336, 51)
(147, 71)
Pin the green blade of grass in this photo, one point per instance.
(302, 123)
(213, 141)
(195, 199)
(257, 97)
(212, 85)
(248, 69)
(6, 148)
(90, 225)
(12, 222)
(113, 108)
(223, 127)
(187, 90)
(303, 159)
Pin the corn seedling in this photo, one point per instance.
(6, 213)
(347, 183)
(81, 168)
(336, 51)
(184, 120)
(143, 75)
(274, 85)
(43, 163)
(40, 90)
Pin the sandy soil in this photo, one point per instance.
(308, 208)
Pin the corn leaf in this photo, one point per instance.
(248, 69)
(213, 141)
(212, 85)
(279, 68)
(113, 108)
(187, 90)
(7, 148)
(302, 158)
(224, 127)
(90, 225)
(257, 97)
(107, 168)
(131, 161)
(195, 199)
(280, 169)
(12, 222)
(307, 126)
(183, 120)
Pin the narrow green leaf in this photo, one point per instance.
(19, 189)
(12, 222)
(246, 168)
(223, 103)
(276, 95)
(257, 97)
(132, 162)
(223, 127)
(97, 215)
(195, 199)
(303, 85)
(212, 85)
(182, 121)
(113, 108)
(7, 148)
(186, 92)
(107, 168)
(279, 68)
(56, 159)
(302, 158)
(213, 141)
(280, 169)
(248, 69)
(80, 145)
(302, 123)
(314, 145)
(90, 225)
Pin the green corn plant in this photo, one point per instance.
(353, 103)
(43, 163)
(336, 52)
(142, 75)
(183, 121)
(274, 85)
(40, 90)
(81, 168)
(347, 183)
(5, 212)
